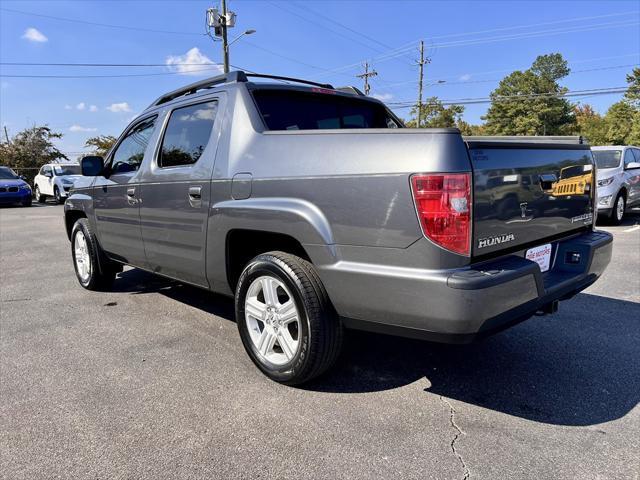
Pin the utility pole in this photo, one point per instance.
(421, 63)
(225, 45)
(220, 23)
(366, 76)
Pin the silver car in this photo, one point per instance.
(618, 177)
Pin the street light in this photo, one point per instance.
(246, 32)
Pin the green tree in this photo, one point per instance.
(30, 149)
(632, 95)
(100, 144)
(590, 124)
(620, 119)
(436, 115)
(530, 102)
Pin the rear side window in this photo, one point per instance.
(628, 157)
(291, 110)
(187, 134)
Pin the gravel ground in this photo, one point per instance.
(151, 381)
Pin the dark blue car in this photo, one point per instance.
(13, 189)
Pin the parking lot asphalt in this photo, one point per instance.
(151, 381)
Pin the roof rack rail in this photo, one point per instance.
(352, 90)
(290, 79)
(236, 76)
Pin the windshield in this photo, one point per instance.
(67, 169)
(7, 174)
(607, 158)
(292, 110)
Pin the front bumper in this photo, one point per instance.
(7, 198)
(457, 306)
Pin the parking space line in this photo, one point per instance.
(632, 229)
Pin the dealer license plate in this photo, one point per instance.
(541, 255)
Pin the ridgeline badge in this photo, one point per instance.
(497, 240)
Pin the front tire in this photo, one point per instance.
(40, 198)
(57, 195)
(619, 207)
(85, 252)
(285, 318)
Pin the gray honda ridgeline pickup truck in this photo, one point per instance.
(319, 211)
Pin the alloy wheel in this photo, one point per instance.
(82, 257)
(272, 320)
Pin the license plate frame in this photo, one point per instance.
(541, 255)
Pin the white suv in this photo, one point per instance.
(618, 177)
(55, 180)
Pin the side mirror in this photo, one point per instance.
(48, 174)
(631, 165)
(92, 165)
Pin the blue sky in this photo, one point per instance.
(472, 45)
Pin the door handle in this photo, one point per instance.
(195, 193)
(131, 192)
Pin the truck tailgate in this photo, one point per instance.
(528, 191)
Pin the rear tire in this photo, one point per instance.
(288, 326)
(40, 198)
(93, 269)
(619, 207)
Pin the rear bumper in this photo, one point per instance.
(457, 306)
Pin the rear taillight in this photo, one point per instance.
(443, 203)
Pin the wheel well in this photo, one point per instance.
(623, 191)
(243, 245)
(70, 218)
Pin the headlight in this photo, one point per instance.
(26, 186)
(604, 200)
(605, 181)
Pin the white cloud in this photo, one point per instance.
(81, 106)
(78, 128)
(93, 108)
(383, 97)
(34, 35)
(194, 62)
(68, 107)
(119, 107)
(465, 77)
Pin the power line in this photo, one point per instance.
(464, 82)
(313, 22)
(336, 22)
(404, 50)
(478, 100)
(98, 24)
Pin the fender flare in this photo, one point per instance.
(295, 217)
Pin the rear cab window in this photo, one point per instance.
(301, 110)
(187, 134)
